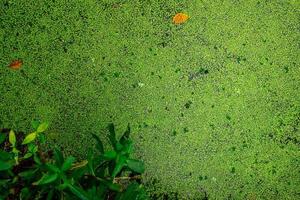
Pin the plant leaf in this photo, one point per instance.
(133, 191)
(110, 155)
(5, 165)
(46, 178)
(35, 124)
(52, 167)
(136, 165)
(4, 156)
(2, 137)
(121, 162)
(99, 143)
(12, 138)
(125, 136)
(29, 138)
(27, 174)
(111, 185)
(42, 127)
(25, 193)
(27, 155)
(80, 193)
(68, 163)
(58, 156)
(112, 135)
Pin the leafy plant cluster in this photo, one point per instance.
(28, 172)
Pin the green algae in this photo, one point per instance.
(213, 103)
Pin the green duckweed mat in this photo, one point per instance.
(214, 103)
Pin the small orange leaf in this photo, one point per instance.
(180, 18)
(16, 64)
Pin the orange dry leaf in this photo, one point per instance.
(16, 64)
(180, 18)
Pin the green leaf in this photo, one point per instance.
(6, 165)
(90, 158)
(134, 191)
(42, 138)
(32, 148)
(4, 182)
(136, 165)
(111, 185)
(58, 156)
(36, 159)
(99, 143)
(27, 174)
(121, 162)
(25, 193)
(29, 138)
(35, 124)
(128, 147)
(110, 155)
(2, 137)
(77, 191)
(68, 163)
(112, 135)
(42, 127)
(50, 195)
(53, 168)
(12, 138)
(27, 155)
(4, 156)
(46, 178)
(125, 136)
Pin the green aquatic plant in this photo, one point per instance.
(27, 172)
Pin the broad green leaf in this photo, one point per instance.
(110, 155)
(58, 156)
(29, 138)
(99, 143)
(136, 165)
(4, 156)
(68, 163)
(42, 127)
(12, 138)
(77, 191)
(46, 178)
(112, 135)
(2, 137)
(5, 165)
(121, 162)
(125, 136)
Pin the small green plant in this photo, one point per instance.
(26, 172)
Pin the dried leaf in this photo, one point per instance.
(16, 64)
(180, 18)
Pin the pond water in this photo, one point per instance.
(214, 102)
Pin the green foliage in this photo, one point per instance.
(29, 173)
